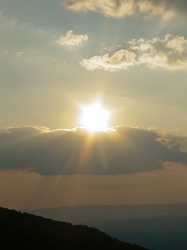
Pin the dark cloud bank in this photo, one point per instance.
(125, 150)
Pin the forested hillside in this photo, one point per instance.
(30, 232)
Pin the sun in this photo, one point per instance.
(94, 117)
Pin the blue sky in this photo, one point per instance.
(56, 56)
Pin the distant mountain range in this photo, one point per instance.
(85, 213)
(162, 227)
(29, 232)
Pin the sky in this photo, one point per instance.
(59, 57)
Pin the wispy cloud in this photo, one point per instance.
(124, 8)
(119, 151)
(169, 52)
(70, 39)
(120, 60)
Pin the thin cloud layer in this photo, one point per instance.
(169, 53)
(119, 151)
(70, 39)
(125, 8)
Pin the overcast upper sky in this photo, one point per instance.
(57, 56)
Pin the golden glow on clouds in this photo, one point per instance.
(169, 53)
(94, 117)
(70, 39)
(120, 60)
(124, 8)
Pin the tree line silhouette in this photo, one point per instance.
(30, 232)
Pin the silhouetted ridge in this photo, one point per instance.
(30, 232)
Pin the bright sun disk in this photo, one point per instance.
(94, 117)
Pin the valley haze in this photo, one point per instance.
(155, 226)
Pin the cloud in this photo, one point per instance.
(125, 8)
(169, 53)
(119, 151)
(70, 39)
(120, 60)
